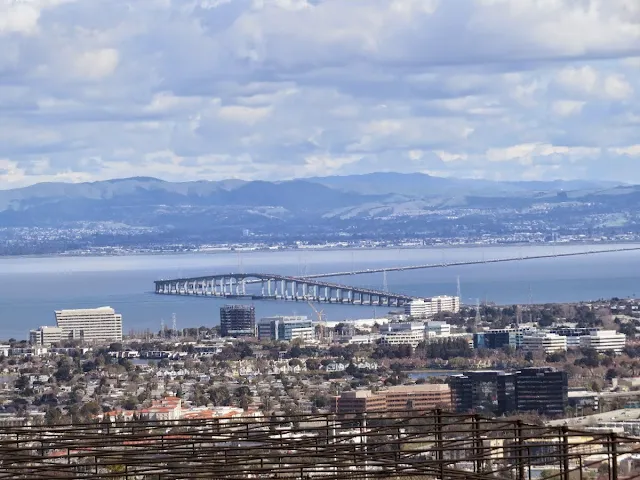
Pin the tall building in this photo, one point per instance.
(286, 328)
(97, 325)
(45, 336)
(404, 397)
(486, 391)
(604, 341)
(543, 390)
(238, 321)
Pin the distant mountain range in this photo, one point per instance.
(355, 204)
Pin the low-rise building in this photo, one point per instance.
(45, 336)
(545, 343)
(404, 397)
(403, 333)
(286, 328)
(437, 329)
(604, 341)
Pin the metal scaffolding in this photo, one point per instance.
(390, 445)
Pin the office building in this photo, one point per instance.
(572, 334)
(403, 333)
(545, 343)
(417, 308)
(286, 328)
(90, 325)
(424, 308)
(604, 341)
(238, 321)
(543, 390)
(45, 336)
(435, 328)
(495, 339)
(444, 303)
(483, 391)
(404, 397)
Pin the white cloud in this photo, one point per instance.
(565, 108)
(617, 87)
(96, 64)
(278, 88)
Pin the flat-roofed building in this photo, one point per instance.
(437, 328)
(403, 333)
(541, 389)
(545, 343)
(238, 321)
(418, 397)
(604, 341)
(357, 401)
(98, 325)
(45, 336)
(404, 397)
(286, 328)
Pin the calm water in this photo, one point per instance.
(32, 288)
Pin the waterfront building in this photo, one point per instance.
(404, 397)
(45, 336)
(286, 328)
(485, 391)
(101, 324)
(541, 389)
(545, 343)
(604, 341)
(402, 333)
(428, 307)
(238, 321)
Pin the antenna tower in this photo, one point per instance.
(518, 317)
(385, 285)
(458, 291)
(478, 317)
(162, 327)
(174, 327)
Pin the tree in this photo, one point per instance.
(220, 396)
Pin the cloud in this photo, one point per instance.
(272, 89)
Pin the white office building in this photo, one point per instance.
(98, 325)
(424, 308)
(403, 333)
(286, 328)
(604, 341)
(437, 329)
(45, 336)
(546, 343)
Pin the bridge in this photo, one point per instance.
(278, 287)
(469, 262)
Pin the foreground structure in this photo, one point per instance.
(390, 445)
(93, 325)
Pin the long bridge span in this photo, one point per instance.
(278, 287)
(466, 262)
(309, 288)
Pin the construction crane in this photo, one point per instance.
(322, 326)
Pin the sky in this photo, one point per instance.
(277, 89)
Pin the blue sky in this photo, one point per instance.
(274, 89)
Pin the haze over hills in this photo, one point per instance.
(146, 210)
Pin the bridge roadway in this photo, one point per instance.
(278, 287)
(471, 262)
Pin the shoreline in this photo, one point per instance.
(318, 249)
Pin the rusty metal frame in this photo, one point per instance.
(390, 445)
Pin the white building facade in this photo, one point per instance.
(404, 333)
(424, 308)
(45, 336)
(604, 341)
(546, 343)
(99, 325)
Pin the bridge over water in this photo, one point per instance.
(309, 288)
(277, 287)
